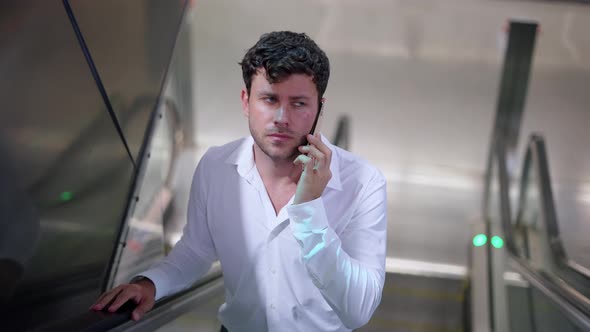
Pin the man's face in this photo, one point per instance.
(280, 115)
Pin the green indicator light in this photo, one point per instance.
(66, 196)
(497, 242)
(479, 240)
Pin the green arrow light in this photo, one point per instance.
(479, 240)
(497, 242)
(66, 196)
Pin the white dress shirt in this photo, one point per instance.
(316, 266)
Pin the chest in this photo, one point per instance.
(280, 196)
(244, 217)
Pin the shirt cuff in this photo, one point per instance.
(157, 279)
(308, 217)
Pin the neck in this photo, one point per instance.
(276, 170)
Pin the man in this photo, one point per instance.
(298, 225)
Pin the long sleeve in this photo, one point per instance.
(349, 268)
(194, 253)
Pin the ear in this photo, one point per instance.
(245, 104)
(322, 102)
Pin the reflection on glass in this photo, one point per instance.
(145, 238)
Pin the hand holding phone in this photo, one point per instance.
(315, 159)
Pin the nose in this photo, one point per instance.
(280, 117)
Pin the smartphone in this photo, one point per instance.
(317, 119)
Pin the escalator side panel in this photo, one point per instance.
(65, 173)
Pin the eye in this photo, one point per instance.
(299, 104)
(270, 100)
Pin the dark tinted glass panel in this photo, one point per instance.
(64, 172)
(131, 43)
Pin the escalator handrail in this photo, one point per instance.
(552, 291)
(163, 311)
(170, 308)
(536, 156)
(567, 298)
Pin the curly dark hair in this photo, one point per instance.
(282, 53)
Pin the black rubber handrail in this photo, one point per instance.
(172, 306)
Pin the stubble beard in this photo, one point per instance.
(266, 148)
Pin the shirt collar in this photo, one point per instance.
(243, 158)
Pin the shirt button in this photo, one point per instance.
(273, 271)
(272, 306)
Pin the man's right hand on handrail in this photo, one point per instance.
(142, 292)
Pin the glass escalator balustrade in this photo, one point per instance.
(518, 304)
